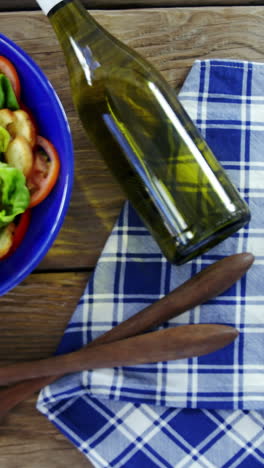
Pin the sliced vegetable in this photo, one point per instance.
(22, 125)
(14, 195)
(8, 69)
(6, 239)
(4, 139)
(20, 230)
(32, 163)
(19, 154)
(45, 171)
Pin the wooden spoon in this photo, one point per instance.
(202, 287)
(185, 341)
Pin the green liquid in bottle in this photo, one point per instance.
(134, 118)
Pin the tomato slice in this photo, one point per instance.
(8, 69)
(21, 230)
(19, 233)
(45, 171)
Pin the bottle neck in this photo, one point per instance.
(48, 5)
(67, 16)
(72, 24)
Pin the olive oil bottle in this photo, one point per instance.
(148, 141)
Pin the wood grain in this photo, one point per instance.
(33, 318)
(34, 315)
(10, 5)
(172, 40)
(29, 440)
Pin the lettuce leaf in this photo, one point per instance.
(14, 195)
(7, 96)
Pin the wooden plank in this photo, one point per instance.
(29, 440)
(171, 39)
(9, 5)
(33, 318)
(34, 315)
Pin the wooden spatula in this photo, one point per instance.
(202, 287)
(185, 341)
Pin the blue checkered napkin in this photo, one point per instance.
(186, 413)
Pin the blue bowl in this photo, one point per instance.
(47, 218)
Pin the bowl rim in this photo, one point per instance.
(32, 262)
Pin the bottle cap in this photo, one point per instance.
(47, 5)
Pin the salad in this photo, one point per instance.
(29, 163)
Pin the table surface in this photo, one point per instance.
(171, 37)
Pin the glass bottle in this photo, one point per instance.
(166, 169)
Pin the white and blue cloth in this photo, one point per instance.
(203, 412)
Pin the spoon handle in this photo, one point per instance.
(209, 283)
(181, 342)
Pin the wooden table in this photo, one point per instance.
(34, 315)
